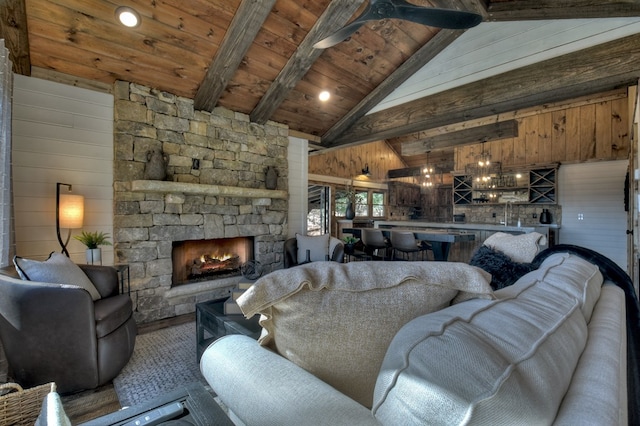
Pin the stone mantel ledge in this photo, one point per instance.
(166, 187)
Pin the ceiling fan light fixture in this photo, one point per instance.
(128, 16)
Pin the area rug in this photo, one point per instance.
(162, 361)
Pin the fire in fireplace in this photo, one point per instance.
(204, 260)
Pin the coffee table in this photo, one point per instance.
(189, 405)
(212, 323)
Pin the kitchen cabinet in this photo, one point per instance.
(404, 194)
(534, 186)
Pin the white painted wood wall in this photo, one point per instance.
(298, 158)
(473, 57)
(592, 200)
(61, 133)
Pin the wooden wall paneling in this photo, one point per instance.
(572, 152)
(558, 135)
(519, 143)
(545, 149)
(587, 132)
(506, 149)
(620, 129)
(531, 141)
(603, 130)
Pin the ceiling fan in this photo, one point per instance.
(400, 9)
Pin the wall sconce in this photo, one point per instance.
(69, 213)
(366, 171)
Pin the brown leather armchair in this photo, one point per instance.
(57, 333)
(291, 252)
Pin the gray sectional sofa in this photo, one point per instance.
(560, 346)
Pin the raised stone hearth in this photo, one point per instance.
(215, 188)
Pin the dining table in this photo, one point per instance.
(440, 240)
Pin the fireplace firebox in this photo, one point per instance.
(205, 260)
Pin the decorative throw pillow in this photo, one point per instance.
(58, 269)
(520, 248)
(337, 320)
(504, 272)
(318, 246)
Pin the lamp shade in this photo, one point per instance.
(71, 211)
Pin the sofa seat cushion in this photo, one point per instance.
(508, 361)
(336, 320)
(57, 269)
(111, 313)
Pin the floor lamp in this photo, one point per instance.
(69, 213)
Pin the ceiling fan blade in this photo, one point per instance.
(434, 17)
(400, 9)
(339, 35)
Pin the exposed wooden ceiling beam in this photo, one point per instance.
(14, 32)
(599, 68)
(486, 133)
(561, 9)
(246, 23)
(334, 17)
(426, 53)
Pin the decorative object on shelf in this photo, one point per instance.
(545, 217)
(251, 270)
(349, 243)
(156, 166)
(93, 240)
(271, 178)
(350, 213)
(69, 213)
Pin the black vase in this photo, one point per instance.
(350, 213)
(545, 217)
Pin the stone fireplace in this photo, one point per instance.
(206, 260)
(214, 191)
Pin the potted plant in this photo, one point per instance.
(349, 243)
(93, 240)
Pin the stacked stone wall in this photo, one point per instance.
(218, 148)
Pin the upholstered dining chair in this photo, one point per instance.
(406, 243)
(64, 333)
(375, 241)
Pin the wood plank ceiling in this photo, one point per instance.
(257, 57)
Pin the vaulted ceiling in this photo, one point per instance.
(257, 57)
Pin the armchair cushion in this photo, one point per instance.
(111, 313)
(336, 320)
(520, 248)
(318, 246)
(57, 269)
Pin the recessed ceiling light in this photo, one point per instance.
(127, 16)
(324, 96)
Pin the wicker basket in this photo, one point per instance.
(22, 407)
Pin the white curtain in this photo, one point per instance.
(7, 248)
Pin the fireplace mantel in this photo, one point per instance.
(166, 187)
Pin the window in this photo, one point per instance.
(369, 203)
(362, 203)
(377, 204)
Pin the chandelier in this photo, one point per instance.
(483, 169)
(427, 174)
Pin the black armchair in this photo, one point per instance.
(57, 333)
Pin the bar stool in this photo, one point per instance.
(374, 240)
(405, 242)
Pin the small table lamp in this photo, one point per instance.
(69, 213)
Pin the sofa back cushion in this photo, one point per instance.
(337, 320)
(509, 361)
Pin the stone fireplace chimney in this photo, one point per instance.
(214, 188)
